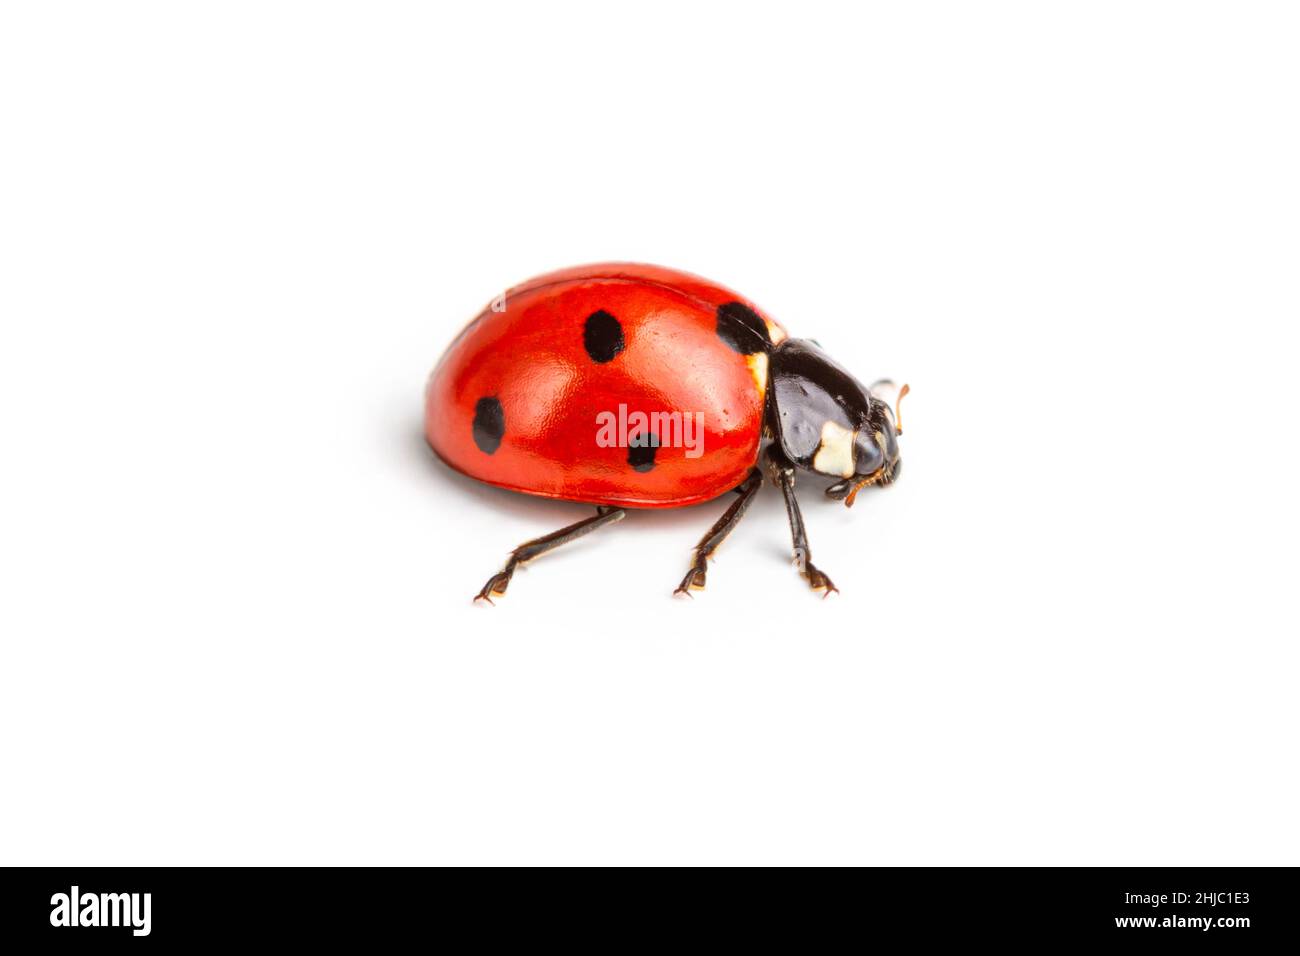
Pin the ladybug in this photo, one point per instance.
(623, 386)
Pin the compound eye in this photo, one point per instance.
(867, 454)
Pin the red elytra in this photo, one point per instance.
(533, 359)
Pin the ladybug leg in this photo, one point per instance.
(497, 584)
(783, 474)
(747, 490)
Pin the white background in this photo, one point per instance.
(235, 586)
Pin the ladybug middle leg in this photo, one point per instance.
(497, 584)
(783, 474)
(747, 489)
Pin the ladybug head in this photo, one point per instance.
(829, 423)
(876, 457)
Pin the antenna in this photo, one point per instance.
(898, 410)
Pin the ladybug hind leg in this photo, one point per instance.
(747, 490)
(497, 584)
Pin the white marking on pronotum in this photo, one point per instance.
(835, 452)
(758, 369)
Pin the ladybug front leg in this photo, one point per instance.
(497, 584)
(783, 474)
(747, 489)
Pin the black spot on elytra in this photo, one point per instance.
(489, 424)
(602, 336)
(743, 329)
(641, 451)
